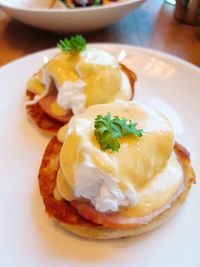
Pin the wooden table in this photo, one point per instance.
(152, 25)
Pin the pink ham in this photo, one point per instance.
(115, 220)
(45, 104)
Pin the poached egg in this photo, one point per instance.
(90, 77)
(140, 179)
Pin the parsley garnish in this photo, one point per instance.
(75, 43)
(108, 130)
(97, 2)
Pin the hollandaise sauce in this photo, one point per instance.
(142, 177)
(81, 79)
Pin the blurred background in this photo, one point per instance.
(164, 25)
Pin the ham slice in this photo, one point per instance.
(45, 104)
(115, 220)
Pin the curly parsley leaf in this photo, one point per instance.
(108, 130)
(76, 43)
(97, 2)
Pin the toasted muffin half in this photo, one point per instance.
(68, 215)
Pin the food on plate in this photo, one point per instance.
(78, 77)
(114, 171)
(79, 3)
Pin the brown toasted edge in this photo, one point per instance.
(70, 219)
(131, 76)
(49, 125)
(43, 121)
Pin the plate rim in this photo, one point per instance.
(155, 52)
(57, 259)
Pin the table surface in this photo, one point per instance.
(151, 25)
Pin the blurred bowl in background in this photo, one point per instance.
(67, 20)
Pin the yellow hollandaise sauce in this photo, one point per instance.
(103, 80)
(147, 164)
(57, 109)
(35, 84)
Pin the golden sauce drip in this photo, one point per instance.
(67, 160)
(62, 67)
(102, 82)
(57, 109)
(35, 84)
(63, 187)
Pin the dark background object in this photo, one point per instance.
(187, 11)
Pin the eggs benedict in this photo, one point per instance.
(114, 171)
(76, 78)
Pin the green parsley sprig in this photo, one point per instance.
(63, 1)
(108, 130)
(76, 43)
(97, 3)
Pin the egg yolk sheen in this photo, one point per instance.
(146, 165)
(98, 70)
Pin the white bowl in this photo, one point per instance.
(67, 20)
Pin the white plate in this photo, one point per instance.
(29, 238)
(67, 20)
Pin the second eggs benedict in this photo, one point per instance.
(73, 80)
(114, 171)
